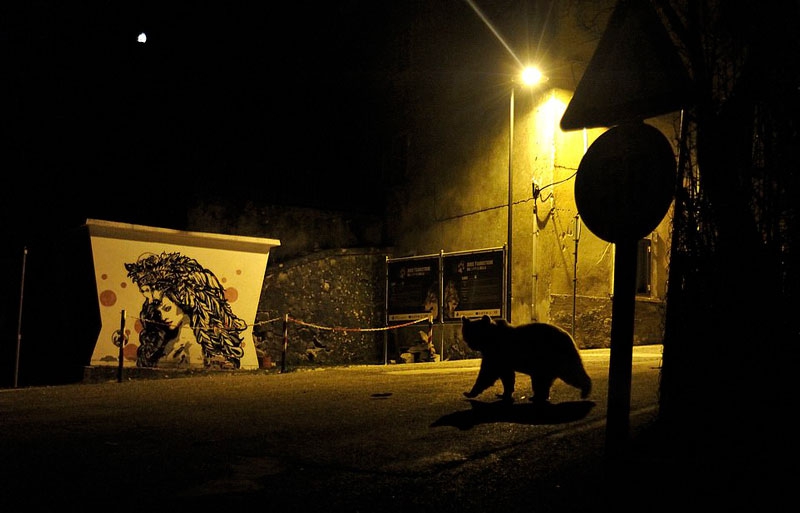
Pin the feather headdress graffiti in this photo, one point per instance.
(186, 318)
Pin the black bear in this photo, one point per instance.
(542, 351)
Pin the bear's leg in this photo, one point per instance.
(486, 377)
(577, 377)
(541, 384)
(508, 378)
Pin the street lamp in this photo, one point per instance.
(529, 76)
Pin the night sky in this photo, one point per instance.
(224, 100)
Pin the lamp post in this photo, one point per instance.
(509, 213)
(530, 76)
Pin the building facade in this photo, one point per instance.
(471, 133)
(458, 134)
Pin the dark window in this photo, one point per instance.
(643, 268)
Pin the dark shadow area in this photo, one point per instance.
(60, 319)
(521, 413)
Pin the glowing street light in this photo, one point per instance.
(529, 77)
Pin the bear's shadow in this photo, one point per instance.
(517, 413)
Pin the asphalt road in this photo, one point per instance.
(365, 438)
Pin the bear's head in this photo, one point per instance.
(477, 333)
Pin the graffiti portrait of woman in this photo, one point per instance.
(186, 319)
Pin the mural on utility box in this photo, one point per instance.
(186, 318)
(176, 299)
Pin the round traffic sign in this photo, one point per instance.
(625, 182)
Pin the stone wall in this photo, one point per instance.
(593, 320)
(335, 303)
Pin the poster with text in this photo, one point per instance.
(412, 289)
(473, 284)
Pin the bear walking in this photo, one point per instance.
(542, 351)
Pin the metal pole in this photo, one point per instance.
(441, 305)
(619, 368)
(534, 260)
(121, 345)
(509, 235)
(385, 348)
(285, 341)
(19, 320)
(386, 311)
(431, 345)
(575, 273)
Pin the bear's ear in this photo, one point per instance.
(486, 319)
(464, 320)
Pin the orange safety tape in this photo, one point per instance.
(328, 328)
(317, 326)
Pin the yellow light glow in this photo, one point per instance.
(554, 108)
(531, 76)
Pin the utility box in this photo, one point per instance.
(176, 299)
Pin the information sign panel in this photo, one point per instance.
(473, 284)
(412, 288)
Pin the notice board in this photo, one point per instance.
(412, 288)
(473, 284)
(446, 286)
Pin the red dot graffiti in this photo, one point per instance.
(108, 298)
(231, 294)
